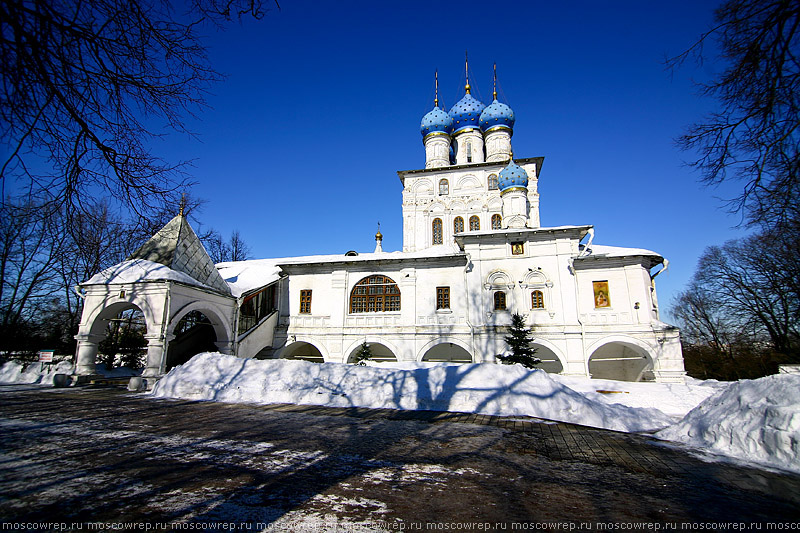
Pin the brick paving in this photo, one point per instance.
(103, 454)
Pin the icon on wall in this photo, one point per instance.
(601, 298)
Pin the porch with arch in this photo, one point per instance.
(163, 305)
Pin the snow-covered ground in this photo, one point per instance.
(16, 372)
(753, 420)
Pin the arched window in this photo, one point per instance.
(469, 151)
(492, 182)
(499, 301)
(537, 300)
(375, 294)
(444, 187)
(474, 223)
(437, 231)
(497, 221)
(458, 225)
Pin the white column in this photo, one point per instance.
(86, 353)
(156, 362)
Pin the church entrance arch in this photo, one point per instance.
(193, 334)
(550, 361)
(447, 352)
(380, 353)
(110, 328)
(621, 360)
(123, 342)
(303, 351)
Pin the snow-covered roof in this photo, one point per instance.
(245, 276)
(138, 270)
(430, 253)
(598, 251)
(521, 231)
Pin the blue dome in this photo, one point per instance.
(497, 114)
(466, 113)
(436, 120)
(512, 176)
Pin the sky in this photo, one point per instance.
(322, 102)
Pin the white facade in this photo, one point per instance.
(474, 252)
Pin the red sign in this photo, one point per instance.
(46, 356)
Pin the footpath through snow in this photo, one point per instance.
(754, 420)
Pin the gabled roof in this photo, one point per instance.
(177, 247)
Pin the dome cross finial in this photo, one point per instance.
(436, 98)
(378, 240)
(466, 69)
(494, 86)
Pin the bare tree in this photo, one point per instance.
(754, 136)
(88, 85)
(240, 251)
(32, 241)
(745, 295)
(715, 343)
(221, 251)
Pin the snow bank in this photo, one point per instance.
(16, 372)
(485, 388)
(756, 420)
(673, 399)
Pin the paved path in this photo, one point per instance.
(109, 456)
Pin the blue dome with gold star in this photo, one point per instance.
(436, 120)
(512, 176)
(466, 113)
(497, 114)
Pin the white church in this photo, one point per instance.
(474, 252)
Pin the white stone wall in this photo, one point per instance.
(468, 195)
(569, 330)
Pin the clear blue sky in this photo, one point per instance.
(322, 104)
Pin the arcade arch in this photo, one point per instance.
(303, 351)
(623, 360)
(380, 353)
(551, 363)
(447, 352)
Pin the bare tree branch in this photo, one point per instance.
(88, 86)
(754, 137)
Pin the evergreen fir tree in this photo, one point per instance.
(519, 342)
(363, 354)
